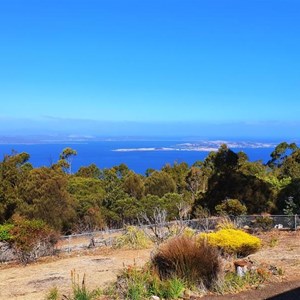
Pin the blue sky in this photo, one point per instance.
(153, 67)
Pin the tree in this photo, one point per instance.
(280, 153)
(13, 171)
(134, 185)
(159, 184)
(178, 172)
(232, 207)
(291, 165)
(196, 181)
(45, 197)
(66, 158)
(88, 195)
(91, 171)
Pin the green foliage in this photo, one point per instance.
(141, 283)
(178, 173)
(45, 197)
(232, 241)
(94, 198)
(91, 171)
(232, 283)
(280, 154)
(178, 264)
(132, 238)
(13, 171)
(264, 223)
(5, 234)
(80, 291)
(53, 294)
(134, 185)
(290, 207)
(232, 207)
(88, 195)
(159, 184)
(66, 158)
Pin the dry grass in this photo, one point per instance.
(183, 257)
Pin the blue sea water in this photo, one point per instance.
(137, 155)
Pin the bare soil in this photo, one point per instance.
(102, 265)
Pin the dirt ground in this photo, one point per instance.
(101, 266)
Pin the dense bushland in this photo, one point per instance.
(225, 183)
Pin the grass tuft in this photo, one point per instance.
(184, 258)
(132, 238)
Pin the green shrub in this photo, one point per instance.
(184, 258)
(172, 288)
(53, 294)
(134, 283)
(232, 283)
(141, 283)
(5, 232)
(232, 241)
(132, 238)
(79, 291)
(232, 207)
(264, 222)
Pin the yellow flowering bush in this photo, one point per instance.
(232, 241)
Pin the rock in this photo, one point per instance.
(154, 298)
(241, 267)
(6, 253)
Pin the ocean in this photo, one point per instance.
(137, 155)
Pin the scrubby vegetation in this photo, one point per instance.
(91, 199)
(184, 266)
(79, 291)
(132, 238)
(189, 265)
(28, 239)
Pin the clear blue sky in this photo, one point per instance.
(154, 67)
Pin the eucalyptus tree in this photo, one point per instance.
(66, 159)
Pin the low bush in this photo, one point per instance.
(232, 241)
(31, 239)
(5, 232)
(264, 223)
(231, 207)
(184, 258)
(232, 283)
(132, 238)
(141, 283)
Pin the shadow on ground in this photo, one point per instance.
(289, 295)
